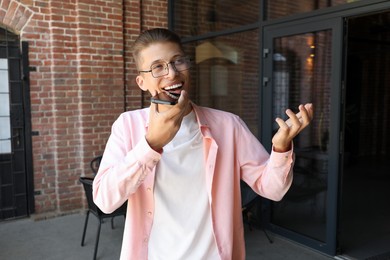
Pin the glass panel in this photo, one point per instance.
(301, 65)
(5, 146)
(8, 38)
(5, 121)
(14, 74)
(16, 95)
(5, 129)
(3, 81)
(3, 76)
(4, 104)
(282, 8)
(225, 74)
(3, 64)
(6, 167)
(193, 17)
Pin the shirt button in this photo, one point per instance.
(149, 189)
(146, 240)
(149, 213)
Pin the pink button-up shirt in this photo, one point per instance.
(232, 152)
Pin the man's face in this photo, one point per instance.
(167, 87)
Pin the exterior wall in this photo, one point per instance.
(81, 79)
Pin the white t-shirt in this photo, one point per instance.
(182, 226)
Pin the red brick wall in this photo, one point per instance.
(84, 79)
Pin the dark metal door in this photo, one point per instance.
(15, 148)
(302, 64)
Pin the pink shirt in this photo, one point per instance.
(232, 153)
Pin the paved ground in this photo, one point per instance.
(60, 238)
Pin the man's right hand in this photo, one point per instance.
(165, 121)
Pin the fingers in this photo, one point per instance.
(183, 101)
(282, 124)
(310, 110)
(294, 119)
(170, 110)
(292, 127)
(302, 118)
(183, 97)
(154, 107)
(181, 108)
(306, 114)
(165, 121)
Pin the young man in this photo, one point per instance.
(179, 165)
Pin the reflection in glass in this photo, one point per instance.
(5, 121)
(301, 66)
(194, 17)
(282, 8)
(225, 75)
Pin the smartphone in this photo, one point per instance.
(163, 102)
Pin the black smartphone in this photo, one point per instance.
(163, 102)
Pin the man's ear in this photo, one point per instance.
(140, 82)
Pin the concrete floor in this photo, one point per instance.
(60, 238)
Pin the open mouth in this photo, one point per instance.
(173, 91)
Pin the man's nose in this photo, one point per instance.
(172, 71)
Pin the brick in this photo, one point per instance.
(78, 49)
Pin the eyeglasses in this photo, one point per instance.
(161, 68)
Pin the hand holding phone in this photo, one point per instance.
(162, 102)
(165, 121)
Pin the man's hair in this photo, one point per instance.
(148, 37)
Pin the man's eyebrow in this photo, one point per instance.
(174, 57)
(156, 61)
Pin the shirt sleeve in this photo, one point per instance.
(269, 175)
(123, 168)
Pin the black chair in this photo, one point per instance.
(249, 199)
(95, 163)
(92, 208)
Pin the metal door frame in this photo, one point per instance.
(27, 128)
(294, 28)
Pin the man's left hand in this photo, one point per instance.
(290, 128)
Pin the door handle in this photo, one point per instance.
(16, 136)
(265, 81)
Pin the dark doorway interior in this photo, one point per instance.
(365, 186)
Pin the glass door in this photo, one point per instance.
(302, 64)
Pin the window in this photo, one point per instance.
(5, 122)
(192, 18)
(281, 8)
(225, 74)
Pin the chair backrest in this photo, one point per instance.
(247, 195)
(95, 163)
(87, 184)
